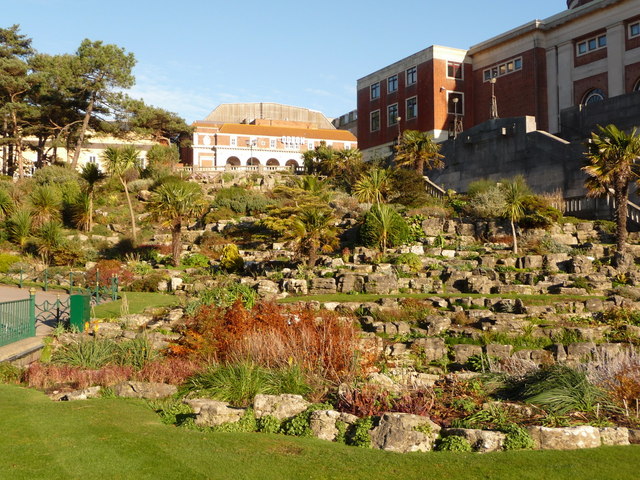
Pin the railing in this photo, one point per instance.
(53, 312)
(433, 188)
(242, 168)
(593, 206)
(17, 320)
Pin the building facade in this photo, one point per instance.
(587, 53)
(232, 136)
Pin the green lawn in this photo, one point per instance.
(138, 301)
(123, 439)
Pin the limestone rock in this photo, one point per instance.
(295, 286)
(432, 348)
(614, 436)
(323, 423)
(212, 412)
(91, 392)
(279, 406)
(570, 438)
(404, 432)
(321, 286)
(148, 390)
(381, 283)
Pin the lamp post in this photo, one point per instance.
(398, 119)
(493, 113)
(251, 144)
(455, 116)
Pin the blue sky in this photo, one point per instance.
(196, 54)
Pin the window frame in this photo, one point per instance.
(374, 87)
(461, 102)
(630, 29)
(411, 72)
(392, 120)
(371, 116)
(502, 69)
(460, 69)
(393, 78)
(584, 47)
(415, 109)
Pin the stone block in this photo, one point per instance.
(381, 283)
(210, 413)
(323, 423)
(499, 351)
(482, 441)
(322, 286)
(403, 432)
(614, 436)
(148, 390)
(462, 352)
(569, 438)
(433, 348)
(279, 406)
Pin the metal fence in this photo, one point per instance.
(17, 320)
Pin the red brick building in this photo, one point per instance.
(589, 52)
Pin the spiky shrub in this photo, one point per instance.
(559, 389)
(46, 203)
(49, 239)
(383, 227)
(136, 353)
(87, 353)
(20, 226)
(453, 443)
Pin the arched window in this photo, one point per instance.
(253, 161)
(292, 163)
(273, 162)
(235, 161)
(636, 87)
(592, 96)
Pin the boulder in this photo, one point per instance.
(380, 283)
(323, 423)
(634, 436)
(135, 320)
(267, 288)
(432, 348)
(499, 351)
(569, 438)
(462, 352)
(322, 286)
(404, 432)
(482, 441)
(436, 324)
(91, 392)
(295, 286)
(106, 329)
(212, 412)
(350, 282)
(279, 406)
(148, 390)
(614, 436)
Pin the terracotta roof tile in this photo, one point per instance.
(275, 131)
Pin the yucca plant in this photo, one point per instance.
(87, 353)
(136, 353)
(46, 203)
(20, 225)
(6, 204)
(49, 238)
(81, 212)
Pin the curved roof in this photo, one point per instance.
(277, 131)
(248, 112)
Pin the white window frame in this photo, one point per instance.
(461, 64)
(461, 102)
(415, 97)
(233, 141)
(371, 89)
(597, 39)
(631, 26)
(93, 159)
(392, 120)
(502, 69)
(389, 83)
(415, 75)
(371, 129)
(272, 143)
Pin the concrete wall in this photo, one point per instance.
(504, 148)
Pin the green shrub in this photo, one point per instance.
(225, 296)
(148, 283)
(453, 443)
(196, 260)
(268, 424)
(6, 260)
(87, 353)
(241, 201)
(230, 260)
(246, 424)
(299, 425)
(518, 438)
(383, 227)
(136, 352)
(412, 260)
(358, 435)
(172, 411)
(10, 373)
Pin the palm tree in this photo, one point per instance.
(46, 203)
(20, 225)
(119, 161)
(373, 186)
(174, 202)
(6, 203)
(383, 226)
(314, 231)
(92, 175)
(418, 150)
(515, 191)
(49, 238)
(612, 154)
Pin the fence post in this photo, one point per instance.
(70, 283)
(21, 270)
(46, 279)
(32, 312)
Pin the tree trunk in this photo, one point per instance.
(134, 235)
(176, 243)
(515, 238)
(420, 166)
(90, 212)
(621, 198)
(80, 142)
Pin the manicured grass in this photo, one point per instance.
(123, 439)
(138, 301)
(369, 297)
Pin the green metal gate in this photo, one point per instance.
(17, 320)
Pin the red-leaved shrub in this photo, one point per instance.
(46, 377)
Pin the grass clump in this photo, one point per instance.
(453, 443)
(10, 373)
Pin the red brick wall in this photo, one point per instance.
(632, 74)
(520, 93)
(631, 42)
(581, 87)
(442, 120)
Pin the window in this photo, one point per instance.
(375, 120)
(455, 70)
(92, 159)
(233, 141)
(455, 101)
(392, 114)
(634, 30)
(593, 96)
(636, 87)
(412, 75)
(272, 143)
(375, 91)
(412, 108)
(591, 44)
(310, 145)
(503, 69)
(392, 84)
